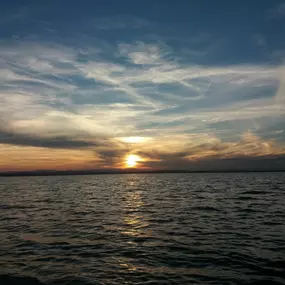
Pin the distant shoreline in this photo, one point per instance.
(115, 171)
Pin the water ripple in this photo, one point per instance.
(143, 229)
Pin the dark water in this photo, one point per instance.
(143, 229)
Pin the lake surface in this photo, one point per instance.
(143, 229)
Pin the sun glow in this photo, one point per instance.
(134, 140)
(131, 160)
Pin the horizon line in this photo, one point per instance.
(122, 171)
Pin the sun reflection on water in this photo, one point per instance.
(133, 219)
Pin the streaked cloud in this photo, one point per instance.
(7, 137)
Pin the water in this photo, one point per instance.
(143, 229)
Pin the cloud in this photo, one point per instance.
(280, 95)
(111, 158)
(214, 154)
(141, 53)
(104, 72)
(249, 145)
(259, 163)
(64, 97)
(277, 11)
(8, 137)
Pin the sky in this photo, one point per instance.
(153, 84)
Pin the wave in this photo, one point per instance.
(6, 279)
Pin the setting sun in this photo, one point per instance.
(132, 159)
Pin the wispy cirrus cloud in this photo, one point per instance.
(278, 10)
(64, 97)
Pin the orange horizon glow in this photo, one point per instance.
(155, 153)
